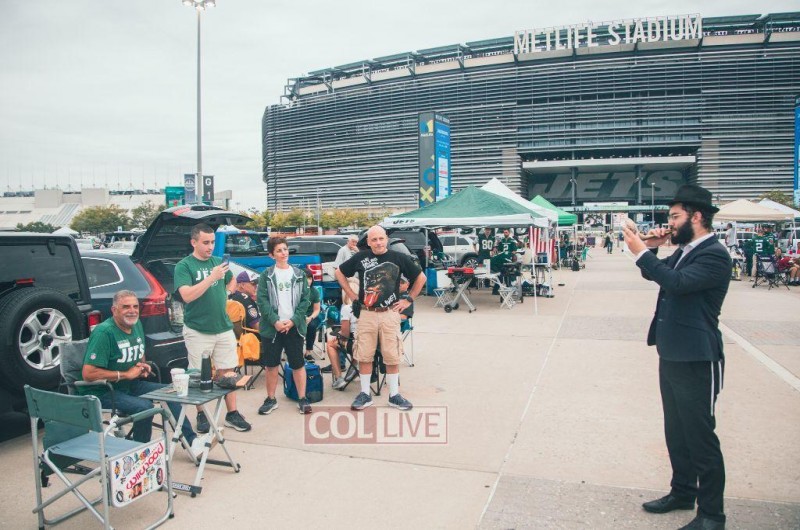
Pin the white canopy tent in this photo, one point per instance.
(498, 188)
(744, 210)
(780, 208)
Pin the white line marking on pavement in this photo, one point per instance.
(762, 357)
(527, 406)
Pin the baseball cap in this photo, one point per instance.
(246, 277)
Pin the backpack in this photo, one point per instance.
(314, 386)
(576, 265)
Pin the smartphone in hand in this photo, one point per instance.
(226, 258)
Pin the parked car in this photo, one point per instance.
(44, 302)
(462, 248)
(326, 247)
(109, 271)
(789, 239)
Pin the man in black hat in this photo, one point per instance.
(693, 283)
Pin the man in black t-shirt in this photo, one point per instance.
(379, 270)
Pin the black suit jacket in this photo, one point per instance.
(685, 326)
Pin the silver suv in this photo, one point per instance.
(462, 248)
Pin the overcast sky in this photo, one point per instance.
(101, 92)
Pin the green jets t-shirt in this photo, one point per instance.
(485, 246)
(507, 246)
(764, 245)
(111, 348)
(207, 313)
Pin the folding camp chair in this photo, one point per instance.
(407, 332)
(767, 272)
(74, 432)
(248, 341)
(71, 366)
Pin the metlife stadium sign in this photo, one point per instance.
(657, 29)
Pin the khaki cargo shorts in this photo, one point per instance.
(374, 327)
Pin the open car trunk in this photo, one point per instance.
(167, 239)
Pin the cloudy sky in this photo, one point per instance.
(102, 92)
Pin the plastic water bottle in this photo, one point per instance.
(205, 373)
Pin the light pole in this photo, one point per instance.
(199, 6)
(653, 203)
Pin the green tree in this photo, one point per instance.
(142, 216)
(36, 226)
(779, 197)
(259, 220)
(99, 219)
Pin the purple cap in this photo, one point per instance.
(246, 277)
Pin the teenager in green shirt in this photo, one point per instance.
(203, 282)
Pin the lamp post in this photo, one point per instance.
(653, 202)
(199, 6)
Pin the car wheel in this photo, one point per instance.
(470, 260)
(36, 321)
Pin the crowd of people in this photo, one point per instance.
(379, 286)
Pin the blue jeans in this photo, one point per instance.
(130, 403)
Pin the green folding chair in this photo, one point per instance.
(74, 433)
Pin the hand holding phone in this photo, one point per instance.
(226, 258)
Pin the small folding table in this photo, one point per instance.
(199, 398)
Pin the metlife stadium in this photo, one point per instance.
(621, 111)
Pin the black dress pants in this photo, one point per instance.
(688, 394)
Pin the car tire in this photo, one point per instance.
(470, 260)
(40, 318)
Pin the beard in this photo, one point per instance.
(683, 235)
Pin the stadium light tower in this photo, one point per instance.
(199, 6)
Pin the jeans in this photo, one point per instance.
(130, 403)
(311, 333)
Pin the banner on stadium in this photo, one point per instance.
(434, 157)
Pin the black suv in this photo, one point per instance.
(44, 302)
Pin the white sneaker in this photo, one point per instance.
(198, 445)
(339, 383)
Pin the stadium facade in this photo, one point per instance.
(616, 111)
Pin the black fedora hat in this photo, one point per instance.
(694, 196)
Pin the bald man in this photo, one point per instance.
(379, 270)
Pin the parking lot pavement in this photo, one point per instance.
(553, 421)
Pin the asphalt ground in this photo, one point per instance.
(553, 420)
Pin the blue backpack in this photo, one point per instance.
(314, 384)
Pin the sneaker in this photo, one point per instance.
(198, 445)
(339, 383)
(399, 402)
(304, 406)
(269, 405)
(326, 369)
(202, 423)
(362, 401)
(237, 421)
(309, 356)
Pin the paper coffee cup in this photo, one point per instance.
(181, 384)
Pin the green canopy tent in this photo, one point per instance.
(469, 207)
(564, 218)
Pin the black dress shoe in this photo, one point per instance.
(704, 523)
(667, 504)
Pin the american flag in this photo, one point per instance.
(540, 242)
